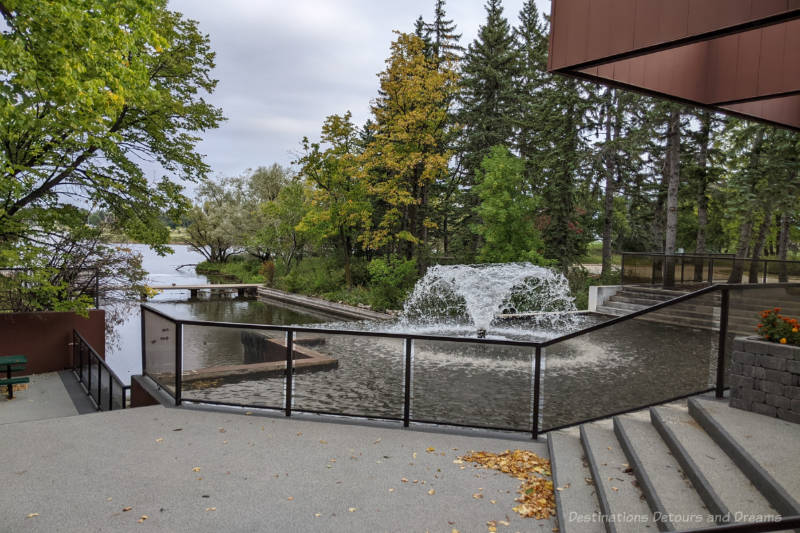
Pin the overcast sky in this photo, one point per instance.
(284, 66)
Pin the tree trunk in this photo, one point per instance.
(348, 275)
(702, 198)
(783, 247)
(672, 169)
(608, 201)
(758, 246)
(746, 228)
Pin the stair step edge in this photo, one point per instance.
(775, 494)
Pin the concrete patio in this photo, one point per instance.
(198, 470)
(193, 469)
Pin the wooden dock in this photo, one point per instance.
(240, 288)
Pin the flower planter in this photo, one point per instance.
(765, 378)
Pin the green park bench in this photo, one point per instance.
(12, 363)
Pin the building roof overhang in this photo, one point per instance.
(739, 57)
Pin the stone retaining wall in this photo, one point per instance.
(765, 378)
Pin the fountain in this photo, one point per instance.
(485, 297)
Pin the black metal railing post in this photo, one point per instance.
(289, 368)
(144, 346)
(178, 361)
(765, 271)
(537, 378)
(723, 341)
(110, 393)
(408, 361)
(711, 270)
(622, 270)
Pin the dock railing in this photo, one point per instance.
(417, 385)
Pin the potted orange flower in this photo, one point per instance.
(775, 327)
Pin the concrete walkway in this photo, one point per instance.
(192, 470)
(50, 395)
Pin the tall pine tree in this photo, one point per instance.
(488, 100)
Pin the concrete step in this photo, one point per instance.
(762, 447)
(618, 493)
(572, 479)
(668, 490)
(725, 490)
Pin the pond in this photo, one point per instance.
(124, 348)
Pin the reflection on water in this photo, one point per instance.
(627, 365)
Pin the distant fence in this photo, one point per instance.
(662, 269)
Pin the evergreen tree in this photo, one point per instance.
(442, 36)
(488, 101)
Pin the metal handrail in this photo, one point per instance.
(409, 338)
(79, 342)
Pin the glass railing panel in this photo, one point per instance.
(238, 366)
(159, 350)
(348, 374)
(471, 383)
(723, 267)
(117, 396)
(783, 271)
(102, 388)
(637, 269)
(633, 363)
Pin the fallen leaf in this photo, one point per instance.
(431, 492)
(458, 461)
(404, 480)
(493, 502)
(248, 413)
(351, 509)
(108, 499)
(323, 442)
(492, 525)
(317, 515)
(196, 469)
(299, 433)
(377, 441)
(211, 509)
(454, 530)
(222, 430)
(290, 498)
(615, 489)
(504, 523)
(160, 440)
(391, 490)
(536, 494)
(414, 455)
(430, 449)
(126, 509)
(32, 515)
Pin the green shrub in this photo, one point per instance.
(580, 280)
(313, 275)
(390, 281)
